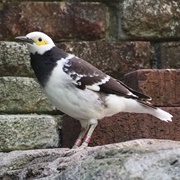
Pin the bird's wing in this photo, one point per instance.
(85, 75)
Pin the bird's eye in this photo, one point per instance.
(40, 39)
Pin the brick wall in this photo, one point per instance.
(119, 37)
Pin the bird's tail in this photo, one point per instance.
(143, 107)
(161, 114)
(121, 104)
(157, 112)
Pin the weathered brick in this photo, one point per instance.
(170, 54)
(149, 19)
(58, 19)
(114, 58)
(125, 126)
(162, 85)
(22, 95)
(18, 132)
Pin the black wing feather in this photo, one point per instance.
(85, 74)
(140, 95)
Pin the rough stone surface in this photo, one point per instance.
(114, 58)
(14, 60)
(58, 19)
(161, 85)
(140, 159)
(124, 126)
(28, 132)
(22, 95)
(170, 54)
(147, 19)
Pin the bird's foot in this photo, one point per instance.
(77, 144)
(84, 145)
(69, 152)
(86, 142)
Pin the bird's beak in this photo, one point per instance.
(24, 39)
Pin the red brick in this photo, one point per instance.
(170, 54)
(60, 20)
(162, 85)
(123, 127)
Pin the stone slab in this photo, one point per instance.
(162, 85)
(124, 126)
(14, 60)
(128, 160)
(60, 20)
(149, 19)
(23, 95)
(18, 132)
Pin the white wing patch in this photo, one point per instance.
(90, 79)
(95, 86)
(70, 56)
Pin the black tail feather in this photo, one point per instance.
(140, 95)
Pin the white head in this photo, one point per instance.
(37, 42)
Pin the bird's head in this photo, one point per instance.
(37, 42)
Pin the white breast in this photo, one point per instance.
(77, 103)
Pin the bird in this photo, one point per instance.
(80, 90)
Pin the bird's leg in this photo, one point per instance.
(78, 141)
(89, 134)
